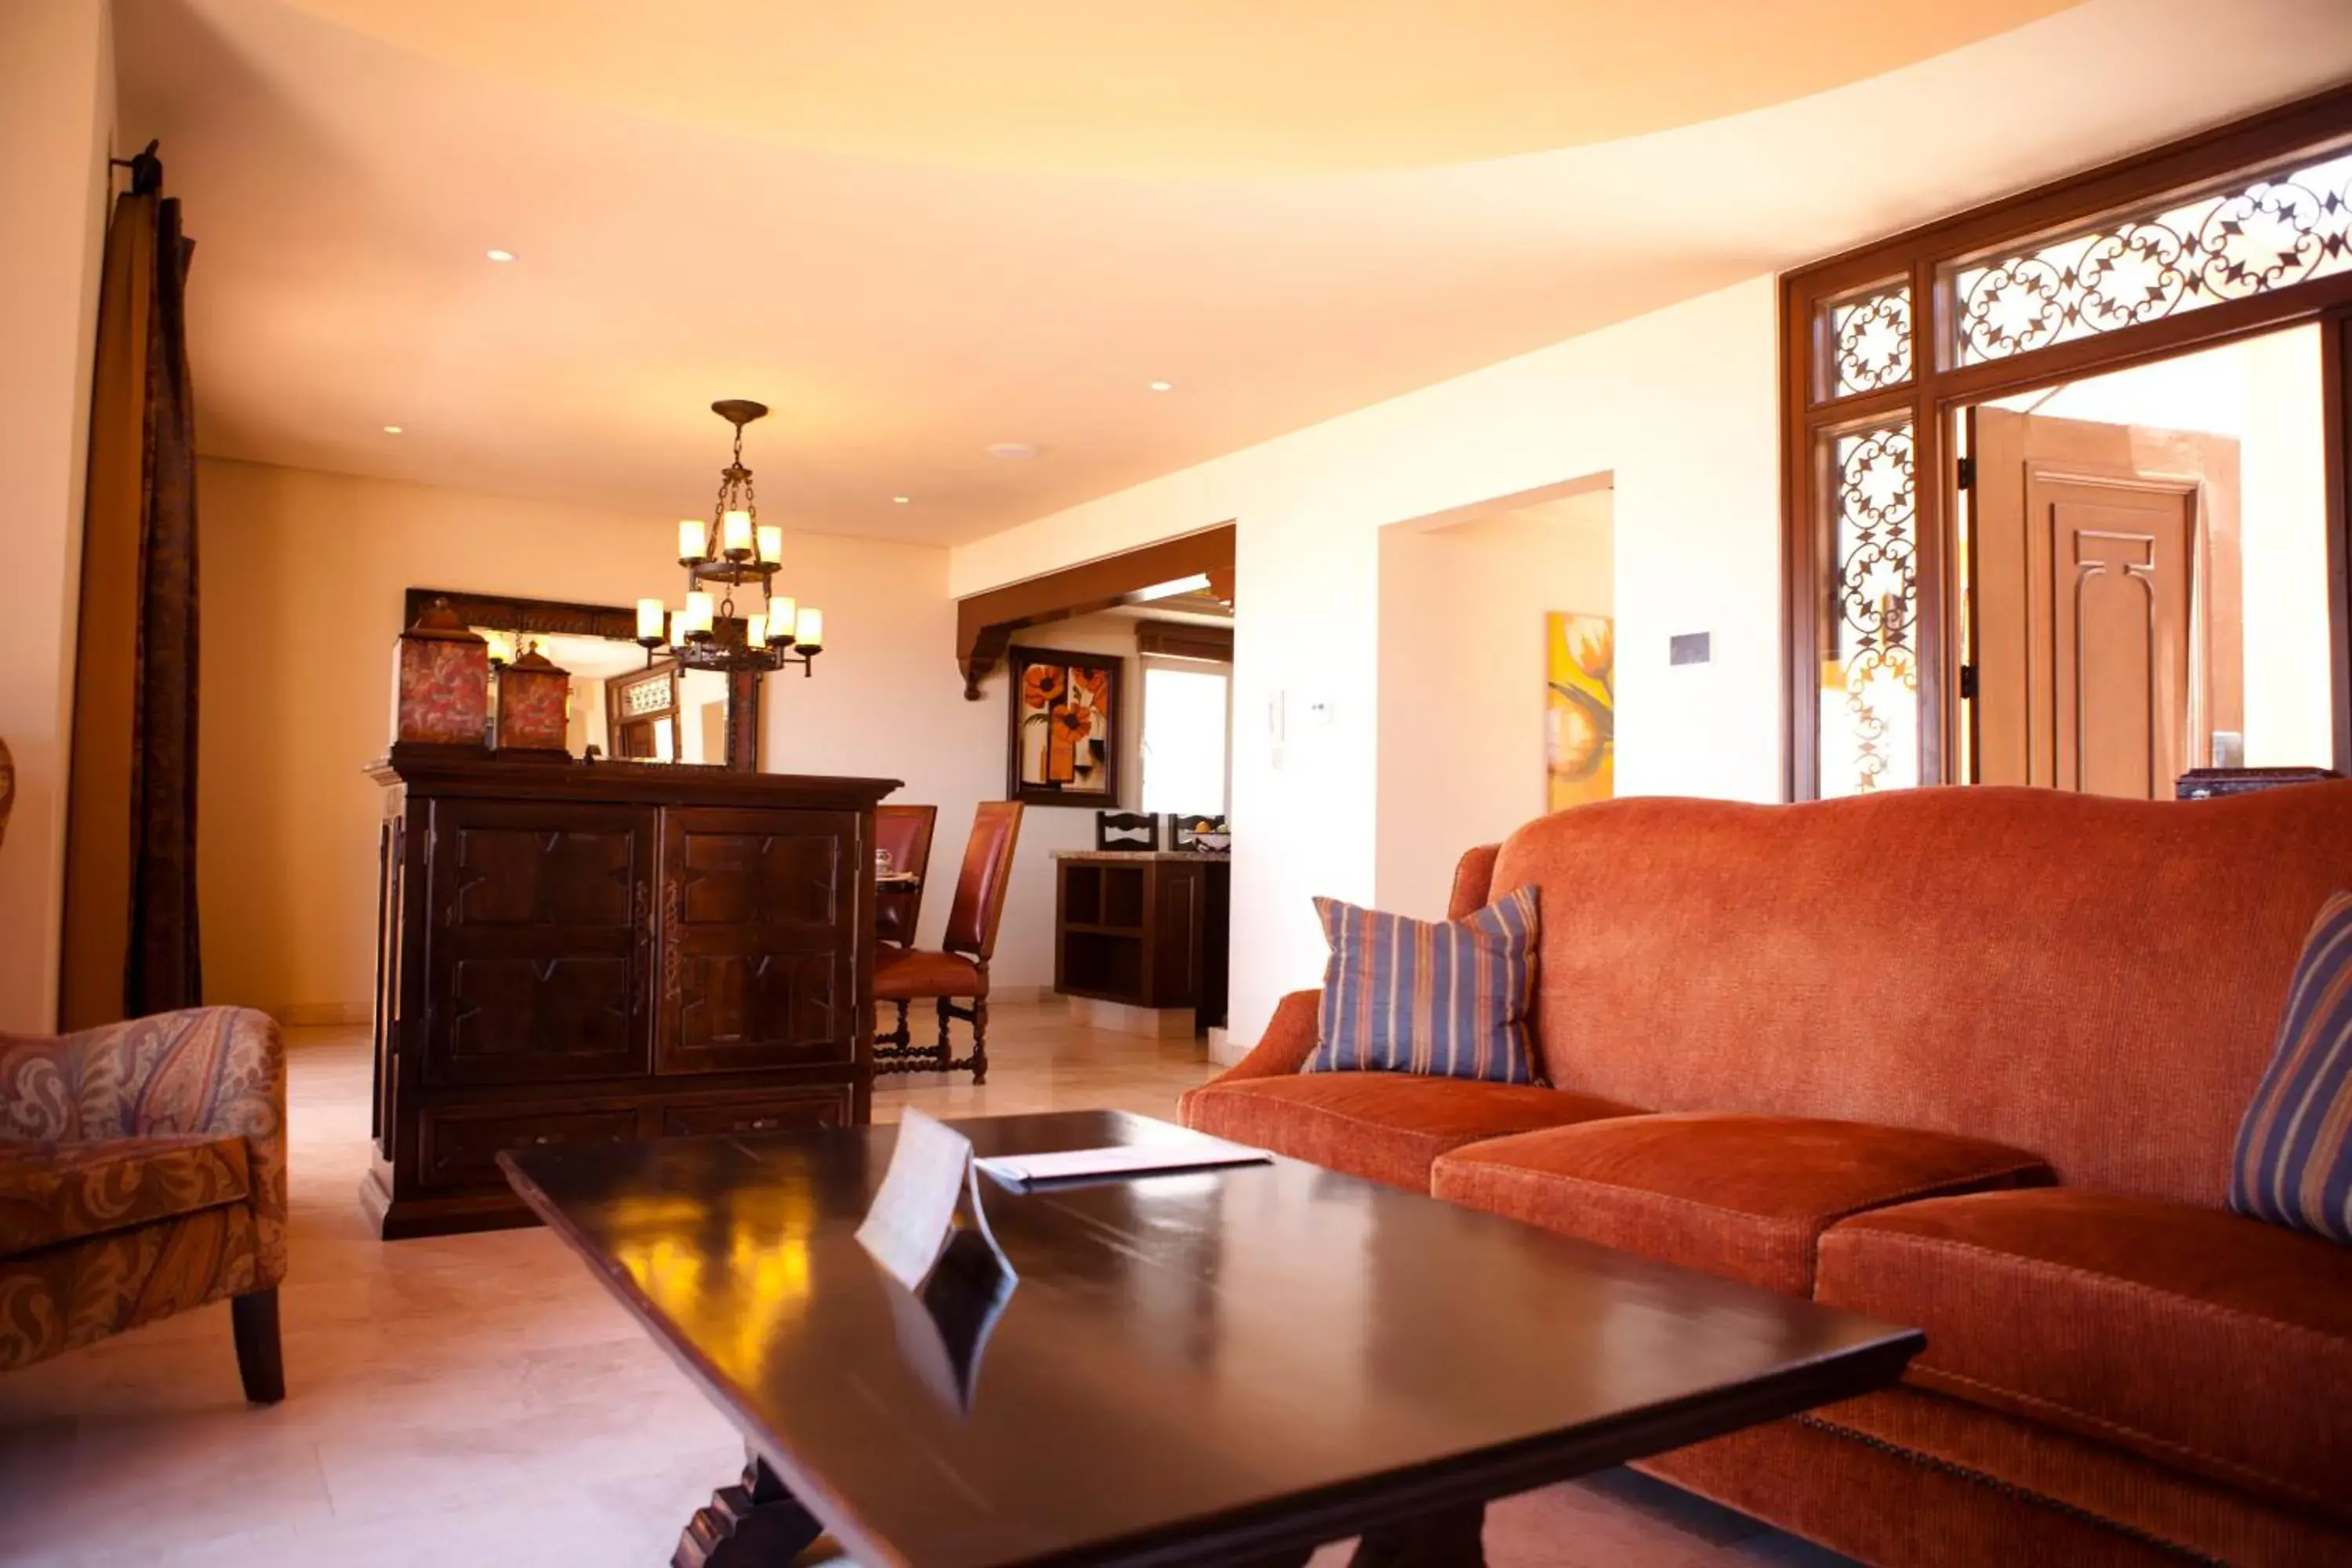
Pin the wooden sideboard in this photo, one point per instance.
(1143, 928)
(575, 952)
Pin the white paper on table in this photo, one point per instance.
(1191, 1153)
(913, 1216)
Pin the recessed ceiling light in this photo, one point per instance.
(1163, 387)
(501, 255)
(392, 429)
(1012, 451)
(900, 501)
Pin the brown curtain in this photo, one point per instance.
(130, 943)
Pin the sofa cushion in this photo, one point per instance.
(910, 974)
(2294, 1162)
(2214, 1343)
(1743, 1196)
(1385, 1126)
(53, 1193)
(2208, 1520)
(1447, 999)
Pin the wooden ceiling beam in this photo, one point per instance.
(985, 622)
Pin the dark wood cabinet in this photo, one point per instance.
(591, 954)
(1143, 928)
(758, 951)
(537, 946)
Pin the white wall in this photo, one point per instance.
(1024, 944)
(56, 114)
(2267, 393)
(1680, 406)
(1461, 720)
(303, 579)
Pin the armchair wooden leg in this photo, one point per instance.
(260, 1358)
(980, 1041)
(947, 1053)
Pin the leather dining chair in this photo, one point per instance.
(904, 833)
(960, 969)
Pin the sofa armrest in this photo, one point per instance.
(1474, 882)
(218, 1070)
(1289, 1041)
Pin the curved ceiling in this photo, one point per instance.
(1182, 87)
(908, 321)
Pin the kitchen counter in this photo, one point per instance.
(1178, 855)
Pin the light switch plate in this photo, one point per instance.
(1690, 647)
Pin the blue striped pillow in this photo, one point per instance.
(2295, 1149)
(1445, 999)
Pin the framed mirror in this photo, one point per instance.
(622, 706)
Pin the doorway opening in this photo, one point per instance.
(1496, 680)
(2144, 573)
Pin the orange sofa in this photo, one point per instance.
(1972, 1059)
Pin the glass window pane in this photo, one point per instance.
(2293, 224)
(1870, 682)
(1183, 739)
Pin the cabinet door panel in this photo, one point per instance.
(762, 921)
(541, 942)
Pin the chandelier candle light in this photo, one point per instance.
(733, 549)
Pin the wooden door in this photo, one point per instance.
(2106, 640)
(640, 709)
(762, 933)
(539, 940)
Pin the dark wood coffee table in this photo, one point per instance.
(1224, 1367)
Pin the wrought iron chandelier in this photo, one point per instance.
(733, 550)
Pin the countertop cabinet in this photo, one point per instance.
(603, 953)
(1143, 928)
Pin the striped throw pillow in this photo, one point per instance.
(2295, 1148)
(1448, 999)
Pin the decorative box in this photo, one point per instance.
(533, 703)
(441, 692)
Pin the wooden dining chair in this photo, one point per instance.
(1126, 830)
(904, 833)
(960, 969)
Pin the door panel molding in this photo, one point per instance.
(2065, 511)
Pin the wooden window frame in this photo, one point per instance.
(1938, 386)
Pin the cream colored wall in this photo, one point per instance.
(1680, 406)
(1461, 695)
(303, 579)
(56, 115)
(1025, 946)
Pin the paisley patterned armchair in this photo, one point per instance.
(142, 1172)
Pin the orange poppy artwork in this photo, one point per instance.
(1579, 709)
(1064, 727)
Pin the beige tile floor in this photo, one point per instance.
(478, 1399)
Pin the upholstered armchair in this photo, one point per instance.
(142, 1172)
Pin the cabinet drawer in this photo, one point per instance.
(825, 1107)
(461, 1147)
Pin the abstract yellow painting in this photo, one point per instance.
(1579, 708)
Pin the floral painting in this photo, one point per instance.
(1064, 740)
(1579, 709)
